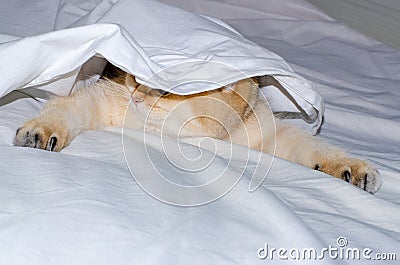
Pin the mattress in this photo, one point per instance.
(83, 206)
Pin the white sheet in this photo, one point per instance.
(81, 206)
(378, 19)
(161, 45)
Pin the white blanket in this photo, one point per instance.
(81, 206)
(166, 47)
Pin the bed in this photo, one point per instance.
(83, 206)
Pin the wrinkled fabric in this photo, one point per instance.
(82, 206)
(163, 46)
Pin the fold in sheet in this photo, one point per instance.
(164, 46)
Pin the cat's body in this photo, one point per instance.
(235, 113)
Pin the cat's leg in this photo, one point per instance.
(297, 146)
(63, 118)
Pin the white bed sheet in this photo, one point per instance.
(163, 46)
(88, 210)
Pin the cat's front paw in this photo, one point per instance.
(39, 134)
(354, 171)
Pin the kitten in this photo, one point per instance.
(234, 113)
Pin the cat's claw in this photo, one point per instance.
(51, 144)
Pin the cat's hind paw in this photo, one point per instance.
(355, 171)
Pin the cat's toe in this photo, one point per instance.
(29, 137)
(365, 177)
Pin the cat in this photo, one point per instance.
(235, 113)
